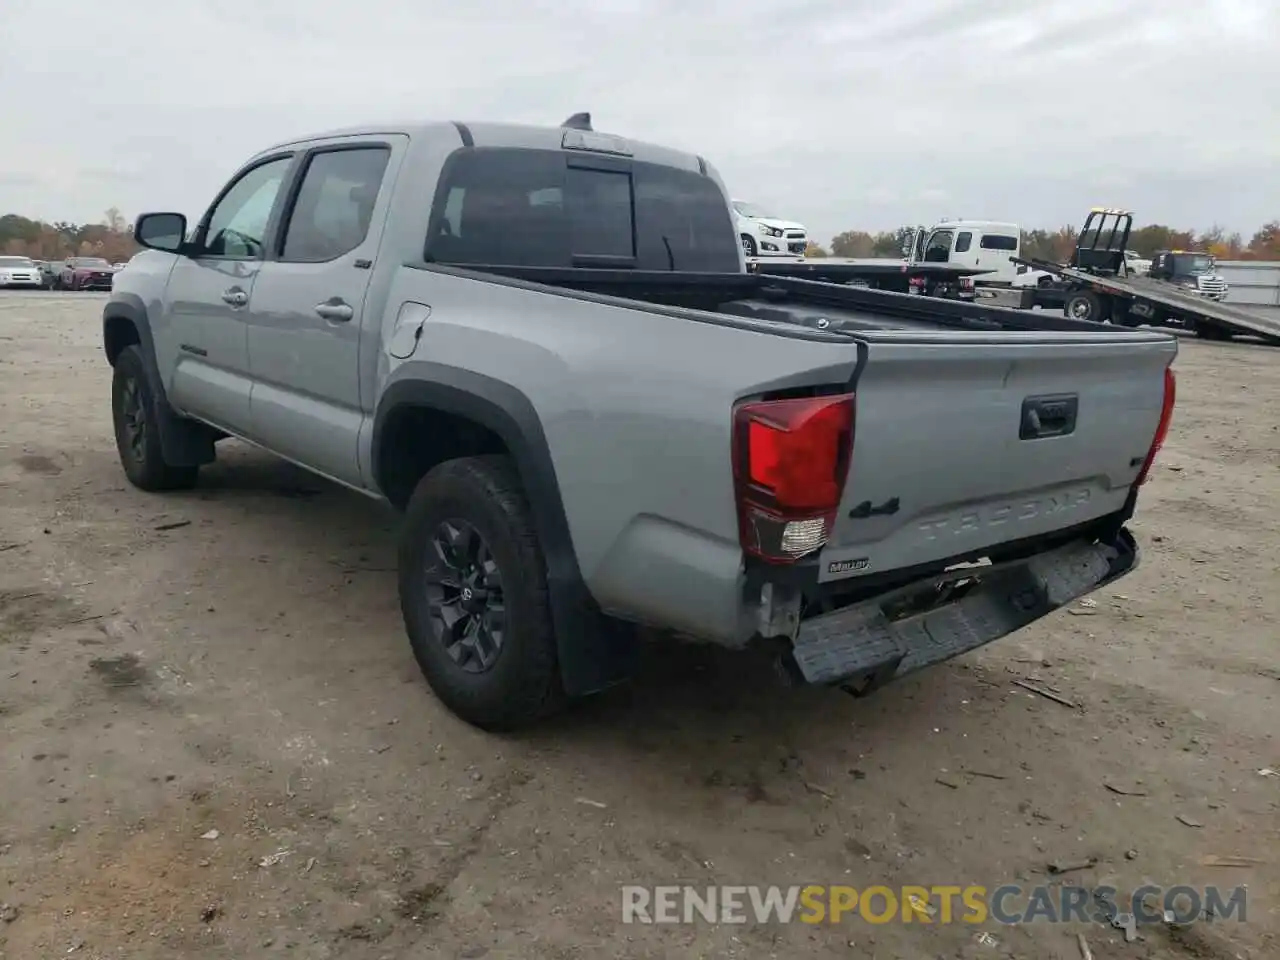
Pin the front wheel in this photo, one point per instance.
(748, 245)
(1087, 305)
(473, 592)
(137, 429)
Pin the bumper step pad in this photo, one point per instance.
(861, 648)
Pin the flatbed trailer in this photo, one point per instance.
(1096, 285)
(1136, 300)
(894, 276)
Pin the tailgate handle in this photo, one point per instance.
(1050, 416)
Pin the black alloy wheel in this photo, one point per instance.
(465, 599)
(474, 594)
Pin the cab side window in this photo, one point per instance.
(963, 240)
(939, 247)
(334, 206)
(237, 227)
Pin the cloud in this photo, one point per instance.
(838, 113)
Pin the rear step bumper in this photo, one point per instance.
(864, 646)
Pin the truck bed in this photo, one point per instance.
(976, 426)
(1231, 319)
(783, 301)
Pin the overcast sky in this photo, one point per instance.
(837, 113)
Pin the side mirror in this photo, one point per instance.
(161, 231)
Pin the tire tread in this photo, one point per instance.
(154, 475)
(491, 480)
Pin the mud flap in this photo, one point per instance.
(596, 652)
(865, 646)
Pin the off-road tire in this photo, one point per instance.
(523, 684)
(143, 464)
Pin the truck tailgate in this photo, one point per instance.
(965, 442)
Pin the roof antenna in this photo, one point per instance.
(579, 121)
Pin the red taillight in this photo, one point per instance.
(1162, 428)
(790, 461)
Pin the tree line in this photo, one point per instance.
(112, 239)
(1057, 245)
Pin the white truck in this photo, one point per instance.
(986, 245)
(764, 235)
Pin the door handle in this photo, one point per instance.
(236, 297)
(335, 310)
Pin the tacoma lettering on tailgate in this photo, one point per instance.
(993, 515)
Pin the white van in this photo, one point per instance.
(980, 244)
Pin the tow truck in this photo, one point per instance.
(944, 280)
(1097, 285)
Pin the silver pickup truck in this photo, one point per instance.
(542, 345)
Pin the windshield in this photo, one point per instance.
(751, 210)
(15, 262)
(1192, 265)
(89, 262)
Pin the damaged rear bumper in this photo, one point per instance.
(864, 646)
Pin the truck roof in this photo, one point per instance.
(986, 225)
(490, 134)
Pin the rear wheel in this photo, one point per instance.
(137, 429)
(473, 592)
(1087, 305)
(1207, 331)
(748, 245)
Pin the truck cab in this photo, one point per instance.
(980, 244)
(1190, 271)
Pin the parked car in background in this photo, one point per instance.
(86, 273)
(1135, 263)
(51, 273)
(19, 272)
(764, 235)
(1031, 277)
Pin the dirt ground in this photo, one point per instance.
(232, 660)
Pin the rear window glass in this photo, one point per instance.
(996, 241)
(531, 208)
